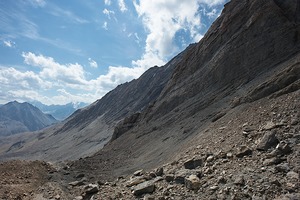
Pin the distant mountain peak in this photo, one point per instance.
(22, 117)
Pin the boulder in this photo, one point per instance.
(143, 188)
(192, 182)
(267, 141)
(192, 163)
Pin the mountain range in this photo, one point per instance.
(18, 117)
(225, 106)
(59, 112)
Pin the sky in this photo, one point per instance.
(61, 51)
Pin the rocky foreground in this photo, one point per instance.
(251, 155)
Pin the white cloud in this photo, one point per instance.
(93, 63)
(68, 80)
(107, 2)
(38, 3)
(105, 26)
(122, 5)
(67, 14)
(163, 19)
(108, 13)
(9, 43)
(211, 2)
(71, 74)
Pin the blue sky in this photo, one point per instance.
(61, 51)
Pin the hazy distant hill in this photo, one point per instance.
(60, 112)
(18, 117)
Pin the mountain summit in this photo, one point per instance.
(18, 117)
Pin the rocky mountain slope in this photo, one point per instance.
(90, 128)
(18, 117)
(224, 123)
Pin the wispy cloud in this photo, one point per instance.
(38, 3)
(17, 25)
(107, 2)
(93, 63)
(59, 12)
(122, 5)
(105, 26)
(9, 43)
(108, 13)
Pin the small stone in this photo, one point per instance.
(57, 197)
(77, 183)
(159, 171)
(78, 198)
(268, 140)
(135, 181)
(229, 155)
(138, 172)
(180, 176)
(169, 177)
(148, 197)
(270, 125)
(80, 176)
(210, 158)
(295, 196)
(192, 182)
(214, 188)
(284, 148)
(239, 180)
(282, 168)
(142, 188)
(91, 188)
(293, 175)
(244, 151)
(189, 164)
(294, 122)
(221, 180)
(272, 161)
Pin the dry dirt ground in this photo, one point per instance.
(253, 152)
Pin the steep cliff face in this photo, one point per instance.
(248, 39)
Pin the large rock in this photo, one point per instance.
(142, 188)
(267, 141)
(193, 163)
